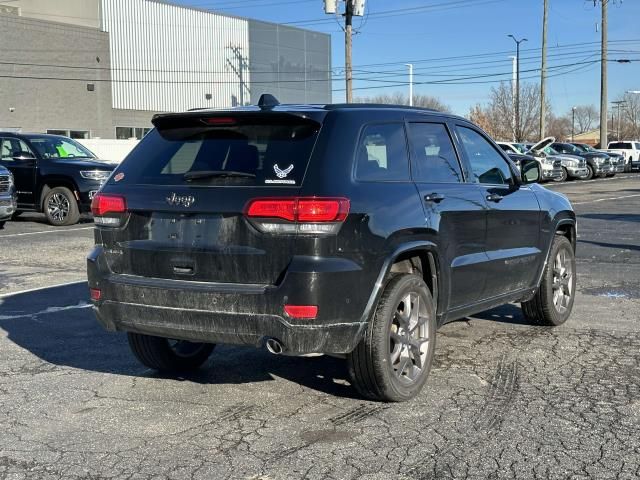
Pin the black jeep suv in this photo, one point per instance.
(53, 174)
(349, 230)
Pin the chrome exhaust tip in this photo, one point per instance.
(274, 346)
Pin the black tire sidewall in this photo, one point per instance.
(565, 175)
(397, 288)
(590, 173)
(157, 354)
(74, 212)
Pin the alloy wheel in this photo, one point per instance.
(409, 339)
(58, 207)
(562, 281)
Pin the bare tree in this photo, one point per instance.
(586, 118)
(497, 117)
(559, 127)
(397, 98)
(630, 128)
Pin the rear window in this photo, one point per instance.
(620, 145)
(247, 153)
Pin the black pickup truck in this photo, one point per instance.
(53, 174)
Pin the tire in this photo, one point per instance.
(163, 355)
(2, 224)
(544, 308)
(590, 173)
(15, 215)
(374, 371)
(61, 207)
(564, 177)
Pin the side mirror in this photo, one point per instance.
(529, 171)
(22, 156)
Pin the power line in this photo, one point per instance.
(456, 4)
(382, 73)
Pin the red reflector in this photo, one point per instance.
(103, 203)
(219, 121)
(285, 209)
(95, 293)
(304, 210)
(301, 311)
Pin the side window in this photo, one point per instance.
(5, 150)
(382, 153)
(13, 147)
(435, 158)
(487, 164)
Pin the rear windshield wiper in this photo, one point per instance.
(201, 174)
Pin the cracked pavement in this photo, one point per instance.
(504, 399)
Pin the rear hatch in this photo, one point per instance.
(186, 189)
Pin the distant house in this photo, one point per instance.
(592, 137)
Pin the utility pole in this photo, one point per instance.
(348, 36)
(517, 107)
(352, 8)
(543, 72)
(410, 65)
(242, 65)
(603, 77)
(573, 122)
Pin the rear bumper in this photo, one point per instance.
(237, 314)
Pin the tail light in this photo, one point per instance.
(96, 294)
(311, 215)
(108, 210)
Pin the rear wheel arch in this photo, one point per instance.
(422, 261)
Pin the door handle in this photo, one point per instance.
(494, 197)
(434, 197)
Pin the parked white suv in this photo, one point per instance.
(630, 151)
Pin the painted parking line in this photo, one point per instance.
(606, 199)
(37, 289)
(11, 235)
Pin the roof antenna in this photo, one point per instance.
(267, 101)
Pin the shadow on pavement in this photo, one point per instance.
(58, 326)
(33, 217)
(622, 217)
(509, 313)
(619, 246)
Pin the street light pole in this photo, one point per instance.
(573, 122)
(410, 65)
(619, 104)
(517, 106)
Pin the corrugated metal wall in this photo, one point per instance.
(168, 58)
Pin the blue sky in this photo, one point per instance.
(477, 30)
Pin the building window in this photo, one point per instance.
(77, 134)
(125, 133)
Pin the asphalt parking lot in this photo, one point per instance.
(504, 400)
